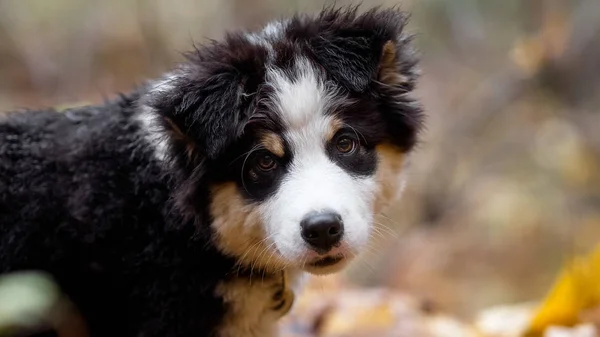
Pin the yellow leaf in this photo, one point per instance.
(576, 289)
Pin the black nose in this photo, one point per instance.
(322, 230)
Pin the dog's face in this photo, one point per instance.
(298, 133)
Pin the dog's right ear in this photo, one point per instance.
(203, 104)
(202, 107)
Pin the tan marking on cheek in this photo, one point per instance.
(273, 143)
(388, 68)
(388, 177)
(240, 231)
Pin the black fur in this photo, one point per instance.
(128, 237)
(82, 198)
(360, 162)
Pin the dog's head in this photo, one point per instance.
(297, 133)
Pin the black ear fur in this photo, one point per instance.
(403, 114)
(371, 54)
(202, 108)
(350, 46)
(206, 101)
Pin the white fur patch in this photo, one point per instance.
(313, 182)
(152, 132)
(301, 100)
(273, 31)
(146, 117)
(260, 40)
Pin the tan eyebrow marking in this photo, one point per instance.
(273, 143)
(335, 125)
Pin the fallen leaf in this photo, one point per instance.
(576, 290)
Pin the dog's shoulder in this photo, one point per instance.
(52, 131)
(69, 176)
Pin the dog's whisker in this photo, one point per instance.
(241, 260)
(385, 229)
(255, 148)
(273, 252)
(378, 232)
(255, 245)
(356, 132)
(255, 258)
(258, 257)
(361, 259)
(394, 222)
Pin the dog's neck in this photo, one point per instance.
(257, 300)
(284, 282)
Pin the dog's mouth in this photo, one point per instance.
(327, 261)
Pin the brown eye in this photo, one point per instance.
(345, 145)
(266, 163)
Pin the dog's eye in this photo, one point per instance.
(266, 162)
(345, 145)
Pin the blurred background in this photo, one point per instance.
(505, 186)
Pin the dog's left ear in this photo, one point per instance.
(361, 49)
(371, 53)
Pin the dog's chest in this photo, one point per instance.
(255, 305)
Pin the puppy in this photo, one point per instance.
(192, 205)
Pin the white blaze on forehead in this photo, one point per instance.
(313, 182)
(301, 99)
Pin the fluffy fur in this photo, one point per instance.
(188, 206)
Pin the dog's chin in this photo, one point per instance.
(313, 262)
(316, 265)
(329, 264)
